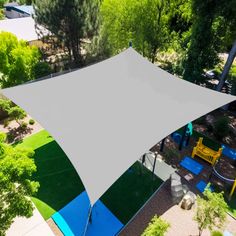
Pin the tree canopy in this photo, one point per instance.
(16, 169)
(17, 60)
(211, 33)
(70, 22)
(211, 211)
(144, 22)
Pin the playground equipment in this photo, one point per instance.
(216, 173)
(183, 139)
(206, 153)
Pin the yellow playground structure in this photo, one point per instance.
(206, 153)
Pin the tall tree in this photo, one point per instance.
(144, 22)
(227, 67)
(212, 31)
(211, 211)
(17, 60)
(16, 168)
(70, 22)
(201, 53)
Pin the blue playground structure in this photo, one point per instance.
(191, 165)
(229, 152)
(183, 139)
(201, 186)
(72, 220)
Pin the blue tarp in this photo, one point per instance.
(229, 152)
(191, 165)
(73, 217)
(201, 185)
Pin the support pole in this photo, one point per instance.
(162, 144)
(233, 189)
(89, 219)
(154, 165)
(183, 137)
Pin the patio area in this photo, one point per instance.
(180, 220)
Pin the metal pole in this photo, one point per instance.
(162, 144)
(88, 219)
(154, 165)
(183, 137)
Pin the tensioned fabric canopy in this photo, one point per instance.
(107, 115)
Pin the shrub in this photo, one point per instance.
(31, 121)
(24, 125)
(157, 227)
(216, 233)
(221, 127)
(6, 123)
(10, 137)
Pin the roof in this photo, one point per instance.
(107, 115)
(27, 9)
(23, 28)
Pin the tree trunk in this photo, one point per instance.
(227, 67)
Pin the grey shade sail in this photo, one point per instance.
(107, 115)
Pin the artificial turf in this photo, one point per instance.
(129, 193)
(60, 183)
(232, 205)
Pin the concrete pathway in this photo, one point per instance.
(33, 226)
(162, 170)
(182, 223)
(13, 126)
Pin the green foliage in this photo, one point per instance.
(42, 69)
(17, 60)
(14, 112)
(1, 14)
(142, 22)
(211, 211)
(216, 233)
(31, 121)
(221, 127)
(23, 125)
(6, 123)
(70, 21)
(17, 114)
(212, 31)
(16, 169)
(25, 2)
(157, 227)
(2, 2)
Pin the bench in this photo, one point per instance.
(206, 153)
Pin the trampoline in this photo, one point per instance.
(191, 165)
(72, 219)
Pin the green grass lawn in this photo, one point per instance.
(60, 183)
(232, 205)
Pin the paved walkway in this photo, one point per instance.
(13, 126)
(181, 221)
(33, 226)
